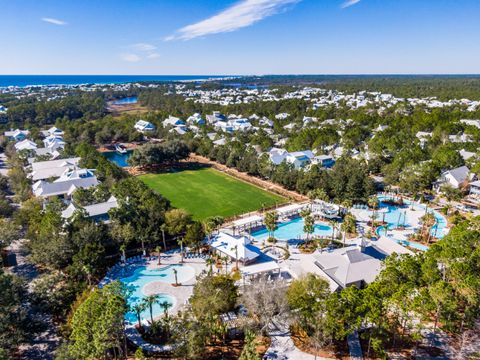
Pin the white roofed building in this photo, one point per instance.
(236, 247)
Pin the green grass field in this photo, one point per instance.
(208, 192)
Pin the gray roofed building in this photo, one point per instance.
(63, 188)
(42, 170)
(357, 265)
(97, 212)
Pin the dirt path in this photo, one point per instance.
(264, 184)
(43, 343)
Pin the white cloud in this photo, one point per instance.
(349, 3)
(240, 15)
(153, 56)
(54, 21)
(130, 57)
(143, 47)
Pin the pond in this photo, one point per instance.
(117, 158)
(126, 101)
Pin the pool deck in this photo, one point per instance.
(181, 293)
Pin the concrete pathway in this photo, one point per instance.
(282, 347)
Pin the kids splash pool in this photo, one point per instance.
(408, 216)
(292, 230)
(142, 282)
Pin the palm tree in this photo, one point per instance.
(180, 242)
(271, 222)
(308, 223)
(158, 249)
(176, 279)
(226, 258)
(149, 301)
(138, 308)
(165, 305)
(210, 261)
(373, 204)
(162, 228)
(122, 250)
(236, 255)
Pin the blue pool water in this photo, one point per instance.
(396, 215)
(143, 277)
(292, 230)
(126, 101)
(117, 158)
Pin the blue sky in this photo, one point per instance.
(239, 36)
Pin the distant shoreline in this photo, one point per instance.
(25, 81)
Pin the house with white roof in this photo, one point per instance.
(97, 212)
(423, 137)
(236, 247)
(42, 170)
(471, 122)
(466, 155)
(173, 121)
(25, 145)
(455, 178)
(144, 126)
(277, 155)
(196, 119)
(66, 184)
(17, 135)
(325, 161)
(215, 117)
(52, 131)
(300, 159)
(54, 142)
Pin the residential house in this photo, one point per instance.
(173, 121)
(215, 117)
(16, 135)
(455, 178)
(97, 212)
(325, 161)
(25, 145)
(42, 170)
(196, 119)
(300, 159)
(66, 184)
(144, 126)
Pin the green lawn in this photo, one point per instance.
(208, 192)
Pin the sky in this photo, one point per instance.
(239, 37)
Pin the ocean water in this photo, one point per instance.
(26, 80)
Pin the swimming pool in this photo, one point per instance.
(403, 215)
(142, 281)
(117, 158)
(291, 230)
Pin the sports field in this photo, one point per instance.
(208, 192)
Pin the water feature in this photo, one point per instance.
(126, 101)
(408, 216)
(117, 158)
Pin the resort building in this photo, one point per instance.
(236, 247)
(356, 265)
(144, 126)
(97, 212)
